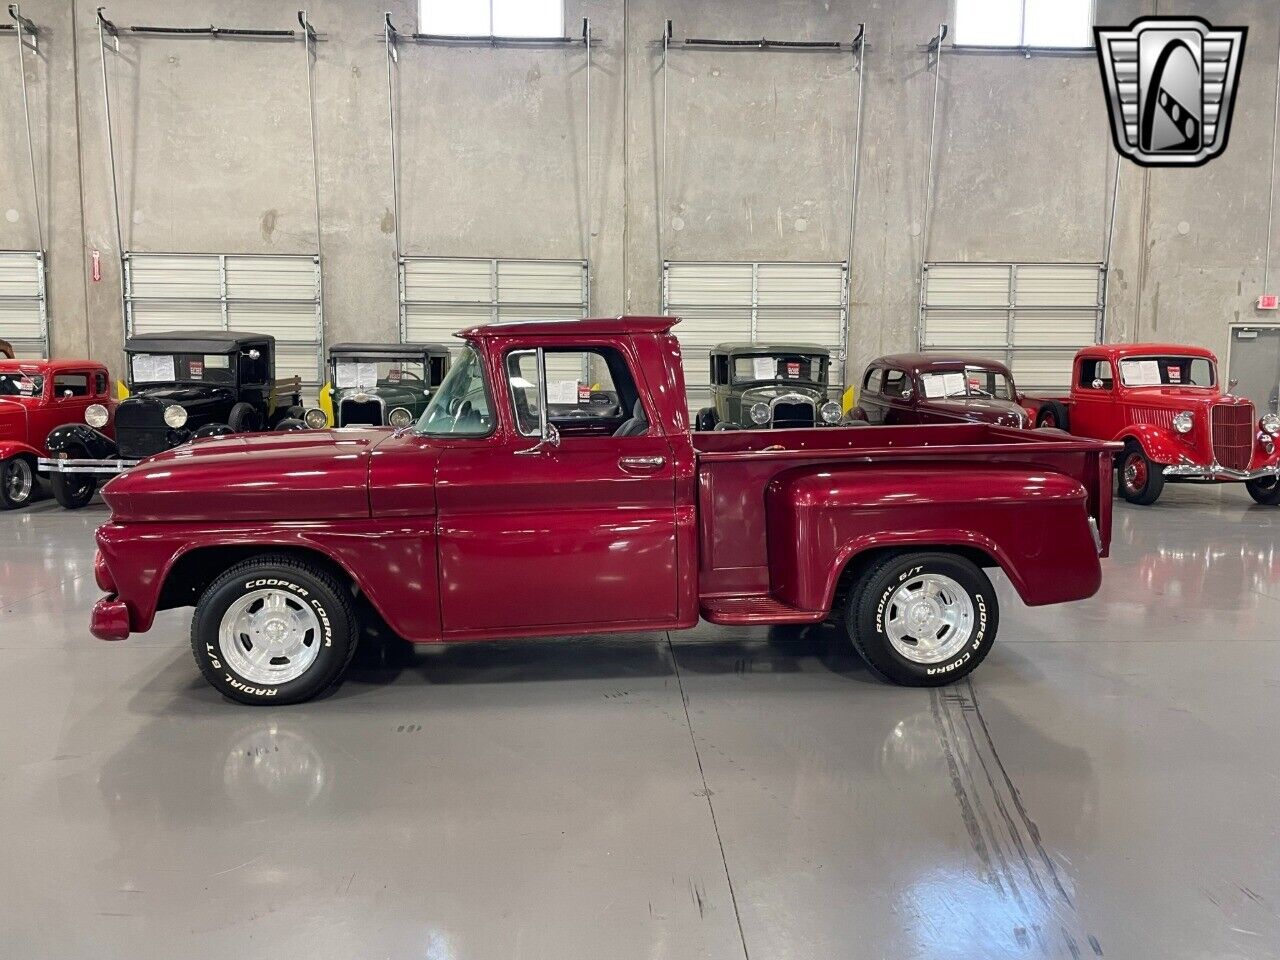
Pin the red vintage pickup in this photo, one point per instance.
(552, 487)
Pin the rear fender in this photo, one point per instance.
(69, 436)
(1159, 445)
(1031, 522)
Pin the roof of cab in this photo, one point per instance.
(743, 346)
(925, 362)
(1114, 350)
(589, 327)
(50, 366)
(194, 341)
(386, 349)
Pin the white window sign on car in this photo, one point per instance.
(562, 391)
(352, 375)
(764, 368)
(154, 368)
(1140, 373)
(934, 387)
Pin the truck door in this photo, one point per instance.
(1093, 400)
(575, 529)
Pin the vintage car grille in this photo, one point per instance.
(140, 430)
(1233, 435)
(355, 413)
(793, 413)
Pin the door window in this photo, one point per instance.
(100, 383)
(895, 381)
(71, 384)
(872, 383)
(1095, 374)
(589, 391)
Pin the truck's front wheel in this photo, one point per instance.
(923, 619)
(273, 630)
(1141, 480)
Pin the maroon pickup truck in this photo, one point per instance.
(552, 487)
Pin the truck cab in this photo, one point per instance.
(519, 504)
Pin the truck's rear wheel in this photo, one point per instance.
(273, 630)
(1141, 480)
(1264, 490)
(1054, 414)
(73, 490)
(923, 619)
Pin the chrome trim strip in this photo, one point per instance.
(85, 466)
(1215, 471)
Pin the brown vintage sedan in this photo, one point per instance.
(935, 388)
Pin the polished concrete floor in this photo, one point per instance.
(1107, 785)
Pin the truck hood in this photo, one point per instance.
(1184, 397)
(291, 475)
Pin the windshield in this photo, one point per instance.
(17, 384)
(969, 382)
(780, 366)
(350, 373)
(145, 368)
(461, 406)
(1167, 372)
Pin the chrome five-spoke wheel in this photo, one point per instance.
(929, 618)
(269, 636)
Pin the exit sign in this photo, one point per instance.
(1269, 301)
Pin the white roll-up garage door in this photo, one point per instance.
(1031, 316)
(440, 296)
(276, 295)
(23, 309)
(755, 302)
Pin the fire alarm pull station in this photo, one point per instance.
(1269, 301)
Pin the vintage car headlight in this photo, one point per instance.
(96, 416)
(399, 418)
(315, 418)
(174, 416)
(760, 413)
(1184, 421)
(1271, 423)
(830, 412)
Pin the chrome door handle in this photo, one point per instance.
(642, 463)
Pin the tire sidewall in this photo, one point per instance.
(1269, 496)
(335, 634)
(871, 606)
(62, 483)
(5, 467)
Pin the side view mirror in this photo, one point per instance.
(67, 393)
(254, 354)
(1097, 384)
(1231, 385)
(907, 394)
(426, 393)
(549, 441)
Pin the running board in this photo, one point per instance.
(759, 608)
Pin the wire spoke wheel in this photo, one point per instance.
(929, 618)
(1135, 472)
(269, 637)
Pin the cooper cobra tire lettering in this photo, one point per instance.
(324, 591)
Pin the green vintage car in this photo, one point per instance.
(762, 386)
(379, 384)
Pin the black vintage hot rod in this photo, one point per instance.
(181, 386)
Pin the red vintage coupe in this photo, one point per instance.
(35, 397)
(1166, 404)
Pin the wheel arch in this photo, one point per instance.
(1156, 443)
(191, 572)
(856, 560)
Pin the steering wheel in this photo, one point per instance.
(409, 375)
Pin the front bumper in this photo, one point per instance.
(110, 465)
(110, 619)
(1215, 471)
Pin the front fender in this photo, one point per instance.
(1032, 523)
(12, 448)
(69, 436)
(1159, 445)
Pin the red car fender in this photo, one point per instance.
(1158, 444)
(12, 448)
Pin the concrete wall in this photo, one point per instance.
(214, 155)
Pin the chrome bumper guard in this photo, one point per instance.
(1216, 471)
(85, 466)
(1097, 535)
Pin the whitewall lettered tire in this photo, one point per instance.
(923, 619)
(274, 630)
